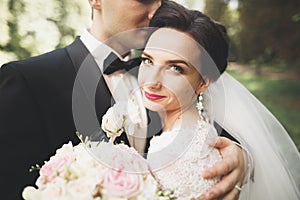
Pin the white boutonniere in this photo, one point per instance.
(122, 116)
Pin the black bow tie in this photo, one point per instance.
(113, 63)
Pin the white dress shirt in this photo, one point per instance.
(122, 85)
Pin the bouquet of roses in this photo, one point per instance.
(72, 173)
(116, 172)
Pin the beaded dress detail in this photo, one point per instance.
(188, 156)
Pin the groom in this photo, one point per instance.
(36, 100)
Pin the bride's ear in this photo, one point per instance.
(95, 4)
(202, 87)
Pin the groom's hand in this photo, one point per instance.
(231, 168)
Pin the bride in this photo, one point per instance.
(182, 79)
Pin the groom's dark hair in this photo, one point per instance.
(211, 35)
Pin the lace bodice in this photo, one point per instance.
(186, 160)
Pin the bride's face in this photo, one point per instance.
(167, 75)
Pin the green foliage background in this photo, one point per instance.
(32, 27)
(265, 40)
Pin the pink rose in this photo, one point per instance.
(56, 166)
(121, 184)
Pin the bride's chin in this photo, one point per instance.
(154, 107)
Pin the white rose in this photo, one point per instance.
(54, 190)
(30, 193)
(85, 161)
(82, 188)
(132, 117)
(66, 149)
(112, 121)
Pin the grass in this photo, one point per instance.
(281, 97)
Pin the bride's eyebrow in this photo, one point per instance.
(179, 61)
(147, 55)
(175, 61)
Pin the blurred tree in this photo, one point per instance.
(270, 31)
(32, 27)
(220, 10)
(61, 20)
(14, 42)
(215, 9)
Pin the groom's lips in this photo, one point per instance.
(153, 97)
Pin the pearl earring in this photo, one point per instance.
(200, 105)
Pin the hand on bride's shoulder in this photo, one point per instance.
(231, 167)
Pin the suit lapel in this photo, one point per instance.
(91, 97)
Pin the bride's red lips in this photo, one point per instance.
(153, 97)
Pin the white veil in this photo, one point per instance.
(276, 160)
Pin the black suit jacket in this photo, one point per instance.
(36, 112)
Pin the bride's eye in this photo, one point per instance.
(146, 61)
(177, 69)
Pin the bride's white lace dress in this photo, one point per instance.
(178, 158)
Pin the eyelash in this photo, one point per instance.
(177, 69)
(146, 60)
(173, 68)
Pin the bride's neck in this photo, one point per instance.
(179, 118)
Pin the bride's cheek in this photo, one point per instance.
(141, 76)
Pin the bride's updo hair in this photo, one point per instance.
(211, 35)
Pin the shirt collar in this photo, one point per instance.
(89, 40)
(98, 49)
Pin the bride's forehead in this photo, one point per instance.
(171, 39)
(176, 42)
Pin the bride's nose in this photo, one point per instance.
(155, 85)
(154, 78)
